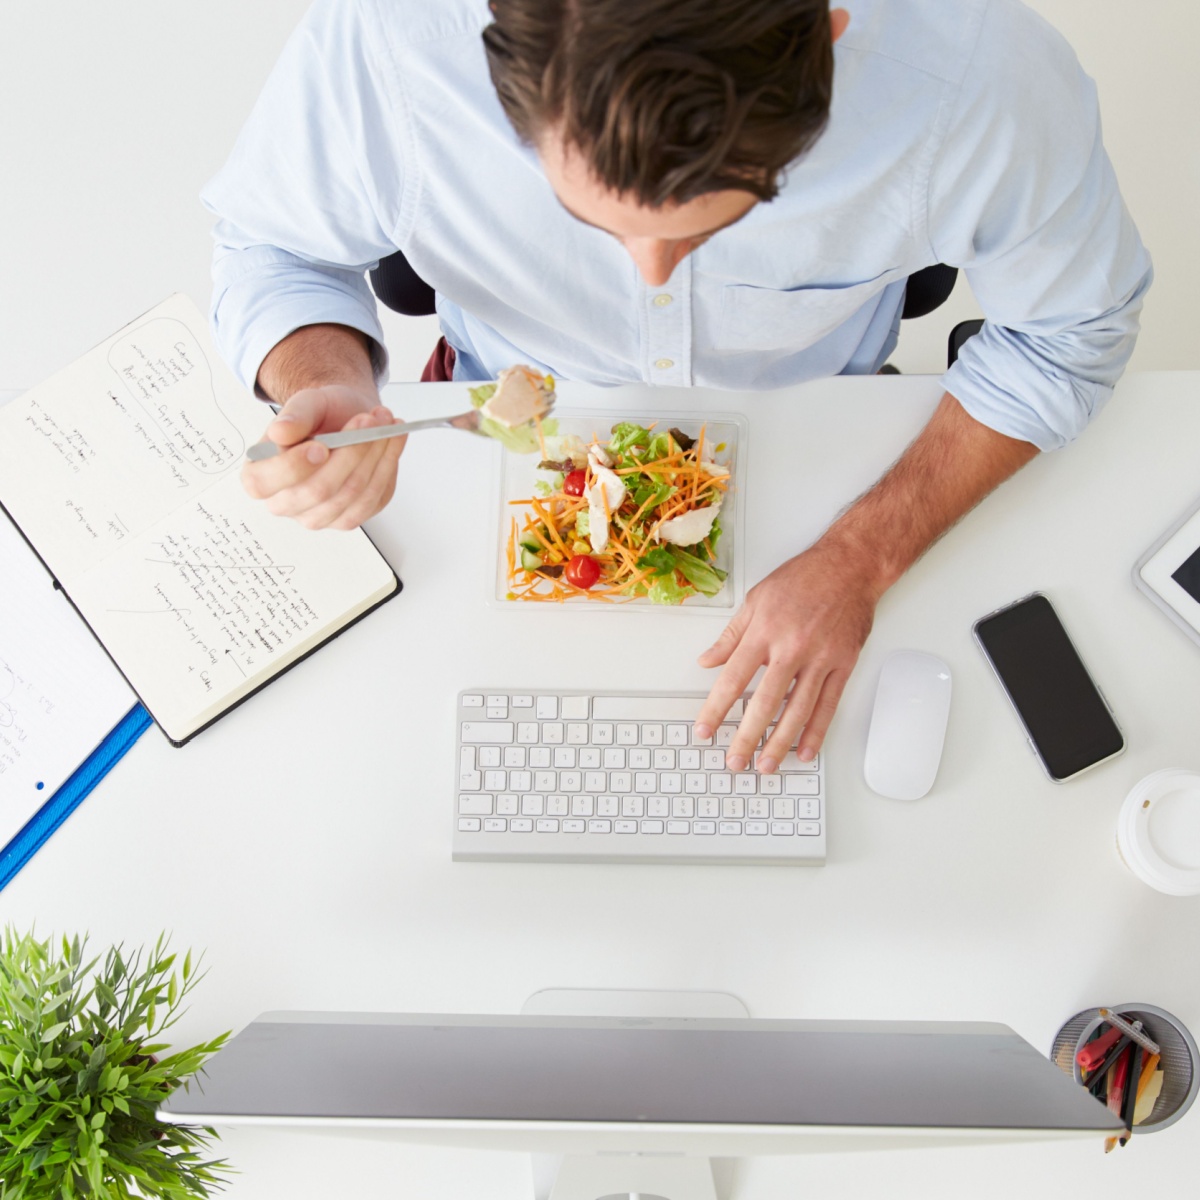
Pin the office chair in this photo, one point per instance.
(399, 287)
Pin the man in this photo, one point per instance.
(686, 192)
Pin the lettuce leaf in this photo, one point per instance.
(523, 439)
(666, 589)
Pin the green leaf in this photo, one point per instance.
(50, 1034)
(187, 966)
(172, 991)
(98, 1120)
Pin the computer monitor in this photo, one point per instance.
(639, 1104)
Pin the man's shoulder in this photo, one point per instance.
(420, 22)
(947, 39)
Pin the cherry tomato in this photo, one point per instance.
(575, 483)
(583, 570)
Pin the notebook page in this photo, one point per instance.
(59, 693)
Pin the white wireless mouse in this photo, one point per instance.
(908, 725)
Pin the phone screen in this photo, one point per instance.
(1049, 686)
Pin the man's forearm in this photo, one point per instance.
(316, 355)
(952, 465)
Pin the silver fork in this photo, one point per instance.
(468, 422)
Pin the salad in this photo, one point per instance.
(638, 516)
(512, 408)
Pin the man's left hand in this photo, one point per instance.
(806, 623)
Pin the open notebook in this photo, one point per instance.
(122, 472)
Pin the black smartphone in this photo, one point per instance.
(1069, 723)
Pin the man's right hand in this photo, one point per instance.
(319, 487)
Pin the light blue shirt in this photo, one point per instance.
(961, 131)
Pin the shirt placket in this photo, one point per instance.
(666, 327)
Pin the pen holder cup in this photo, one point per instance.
(1180, 1059)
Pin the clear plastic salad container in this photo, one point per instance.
(519, 476)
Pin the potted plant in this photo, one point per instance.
(83, 1068)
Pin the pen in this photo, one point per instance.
(1093, 1083)
(1092, 1053)
(1133, 1031)
(1129, 1099)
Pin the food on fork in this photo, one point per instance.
(512, 408)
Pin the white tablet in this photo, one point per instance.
(1169, 573)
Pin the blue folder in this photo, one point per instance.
(67, 798)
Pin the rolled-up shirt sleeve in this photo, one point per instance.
(311, 196)
(1023, 197)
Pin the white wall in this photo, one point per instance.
(113, 115)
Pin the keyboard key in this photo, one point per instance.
(802, 785)
(677, 735)
(540, 756)
(608, 806)
(614, 758)
(770, 785)
(497, 714)
(808, 809)
(665, 759)
(725, 736)
(469, 824)
(639, 758)
(553, 733)
(783, 808)
(645, 708)
(758, 806)
(657, 806)
(571, 781)
(683, 806)
(520, 825)
(507, 805)
(720, 784)
(713, 760)
(546, 708)
(700, 741)
(497, 702)
(733, 806)
(620, 781)
(745, 784)
(679, 827)
(791, 762)
(708, 806)
(599, 826)
(695, 783)
(756, 828)
(522, 702)
(557, 806)
(729, 828)
(574, 708)
(595, 781)
(645, 782)
(520, 781)
(492, 733)
(583, 806)
(589, 758)
(625, 827)
(633, 806)
(472, 701)
(545, 781)
(494, 825)
(489, 756)
(527, 733)
(652, 735)
(571, 825)
(602, 733)
(547, 825)
(533, 806)
(703, 827)
(515, 756)
(577, 733)
(495, 781)
(689, 760)
(627, 734)
(782, 829)
(474, 806)
(671, 782)
(652, 827)
(565, 756)
(809, 829)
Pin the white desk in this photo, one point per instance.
(305, 839)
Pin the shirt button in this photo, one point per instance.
(664, 364)
(662, 300)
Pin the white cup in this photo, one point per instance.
(1158, 832)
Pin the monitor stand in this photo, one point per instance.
(648, 1176)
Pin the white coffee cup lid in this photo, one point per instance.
(1159, 831)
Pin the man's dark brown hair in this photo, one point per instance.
(668, 99)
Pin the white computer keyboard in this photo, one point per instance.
(603, 777)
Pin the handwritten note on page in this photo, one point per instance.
(124, 471)
(59, 693)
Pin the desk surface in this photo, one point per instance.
(305, 840)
